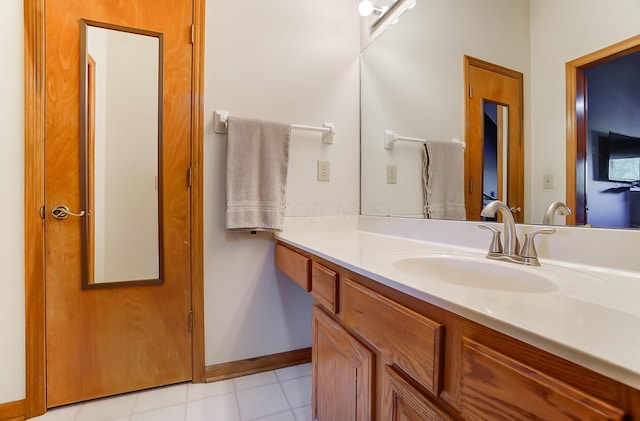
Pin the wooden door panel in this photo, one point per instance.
(342, 373)
(489, 82)
(113, 340)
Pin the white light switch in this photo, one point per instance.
(392, 174)
(323, 170)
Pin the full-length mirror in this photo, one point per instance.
(121, 91)
(413, 82)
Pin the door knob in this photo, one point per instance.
(63, 212)
(515, 209)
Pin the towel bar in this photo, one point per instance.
(327, 129)
(390, 138)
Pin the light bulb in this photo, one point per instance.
(365, 8)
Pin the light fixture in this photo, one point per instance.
(365, 8)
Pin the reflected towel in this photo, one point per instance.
(257, 164)
(443, 180)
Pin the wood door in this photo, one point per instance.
(487, 82)
(105, 341)
(342, 372)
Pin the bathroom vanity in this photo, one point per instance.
(390, 344)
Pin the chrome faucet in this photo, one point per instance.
(511, 251)
(510, 237)
(550, 215)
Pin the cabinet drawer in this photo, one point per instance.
(294, 265)
(497, 387)
(402, 402)
(324, 287)
(406, 338)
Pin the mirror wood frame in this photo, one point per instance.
(576, 155)
(87, 158)
(34, 403)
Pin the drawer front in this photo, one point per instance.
(324, 287)
(497, 387)
(402, 402)
(294, 265)
(405, 338)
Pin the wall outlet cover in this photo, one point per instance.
(323, 170)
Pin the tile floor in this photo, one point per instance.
(279, 395)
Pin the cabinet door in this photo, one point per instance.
(342, 370)
(402, 402)
(497, 387)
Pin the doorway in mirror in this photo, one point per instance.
(494, 161)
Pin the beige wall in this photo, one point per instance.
(12, 378)
(290, 61)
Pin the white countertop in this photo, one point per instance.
(592, 319)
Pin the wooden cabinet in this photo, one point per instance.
(497, 387)
(324, 287)
(342, 373)
(294, 265)
(404, 337)
(432, 364)
(403, 402)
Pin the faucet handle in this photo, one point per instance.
(496, 243)
(529, 247)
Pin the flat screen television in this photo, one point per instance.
(618, 158)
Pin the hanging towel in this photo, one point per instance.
(257, 163)
(443, 180)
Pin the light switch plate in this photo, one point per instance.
(547, 181)
(392, 174)
(323, 170)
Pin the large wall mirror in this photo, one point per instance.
(121, 132)
(413, 82)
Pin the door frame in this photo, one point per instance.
(577, 123)
(34, 255)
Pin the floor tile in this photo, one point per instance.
(65, 413)
(261, 401)
(170, 413)
(303, 414)
(298, 391)
(282, 416)
(161, 397)
(255, 380)
(107, 409)
(207, 390)
(293, 372)
(217, 408)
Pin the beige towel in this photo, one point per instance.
(443, 176)
(257, 163)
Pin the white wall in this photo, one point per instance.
(413, 83)
(290, 61)
(12, 360)
(560, 32)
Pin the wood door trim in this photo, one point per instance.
(12, 410)
(34, 123)
(34, 134)
(197, 193)
(257, 365)
(576, 121)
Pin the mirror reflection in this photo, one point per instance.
(413, 81)
(121, 129)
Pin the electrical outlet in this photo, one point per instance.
(392, 174)
(547, 181)
(323, 170)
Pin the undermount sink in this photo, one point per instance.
(478, 272)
